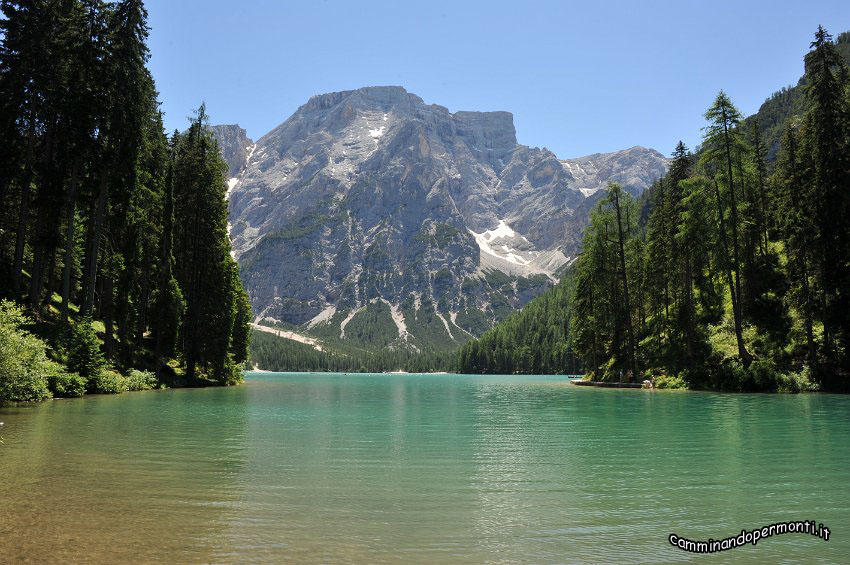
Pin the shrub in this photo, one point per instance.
(24, 366)
(108, 382)
(670, 382)
(797, 382)
(762, 374)
(83, 351)
(67, 385)
(141, 380)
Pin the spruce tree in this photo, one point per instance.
(797, 229)
(168, 303)
(824, 149)
(202, 252)
(721, 141)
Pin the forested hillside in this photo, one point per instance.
(273, 353)
(788, 103)
(729, 277)
(114, 253)
(534, 340)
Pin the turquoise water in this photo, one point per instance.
(420, 468)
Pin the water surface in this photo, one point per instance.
(420, 468)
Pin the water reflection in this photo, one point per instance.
(378, 468)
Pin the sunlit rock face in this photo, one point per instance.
(372, 201)
(234, 144)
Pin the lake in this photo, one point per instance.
(420, 468)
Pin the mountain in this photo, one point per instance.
(234, 144)
(369, 217)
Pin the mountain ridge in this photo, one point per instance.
(435, 224)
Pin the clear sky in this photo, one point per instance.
(579, 77)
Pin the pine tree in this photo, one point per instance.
(241, 336)
(797, 228)
(168, 303)
(824, 149)
(205, 270)
(615, 195)
(83, 183)
(721, 141)
(760, 162)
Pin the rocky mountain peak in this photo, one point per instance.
(378, 97)
(370, 199)
(234, 144)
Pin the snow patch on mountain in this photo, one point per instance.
(501, 233)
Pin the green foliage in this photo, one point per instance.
(607, 284)
(444, 234)
(168, 308)
(83, 352)
(534, 340)
(214, 326)
(799, 381)
(141, 380)
(786, 106)
(90, 189)
(473, 320)
(67, 385)
(24, 366)
(108, 382)
(669, 382)
(372, 325)
(241, 336)
(273, 353)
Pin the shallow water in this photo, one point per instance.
(420, 468)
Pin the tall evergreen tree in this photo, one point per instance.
(824, 149)
(721, 141)
(797, 229)
(88, 193)
(202, 252)
(615, 195)
(168, 303)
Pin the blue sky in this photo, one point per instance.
(579, 77)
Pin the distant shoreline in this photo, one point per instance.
(264, 371)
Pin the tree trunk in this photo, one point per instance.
(68, 261)
(690, 310)
(36, 269)
(144, 300)
(734, 207)
(51, 277)
(593, 331)
(736, 313)
(87, 248)
(23, 213)
(91, 267)
(107, 313)
(807, 314)
(625, 286)
(802, 259)
(123, 315)
(20, 241)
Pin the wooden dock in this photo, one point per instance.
(605, 384)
